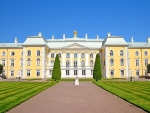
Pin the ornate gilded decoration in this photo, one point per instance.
(75, 33)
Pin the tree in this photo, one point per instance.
(97, 72)
(56, 73)
(1, 68)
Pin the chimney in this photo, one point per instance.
(16, 40)
(64, 36)
(108, 34)
(96, 36)
(132, 40)
(52, 36)
(148, 40)
(86, 36)
(40, 34)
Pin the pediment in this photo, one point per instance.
(75, 46)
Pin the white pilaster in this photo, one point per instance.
(106, 62)
(63, 58)
(87, 58)
(24, 62)
(71, 60)
(43, 62)
(79, 56)
(127, 62)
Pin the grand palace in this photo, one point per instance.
(36, 56)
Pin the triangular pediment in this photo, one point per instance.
(75, 46)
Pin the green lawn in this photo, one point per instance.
(137, 93)
(13, 93)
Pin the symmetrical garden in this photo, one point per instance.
(13, 93)
(137, 93)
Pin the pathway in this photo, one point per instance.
(65, 97)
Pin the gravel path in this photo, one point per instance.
(65, 97)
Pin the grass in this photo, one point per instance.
(72, 79)
(137, 93)
(30, 79)
(14, 93)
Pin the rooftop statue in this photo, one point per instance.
(75, 33)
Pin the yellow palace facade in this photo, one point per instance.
(35, 57)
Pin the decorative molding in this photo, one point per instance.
(75, 46)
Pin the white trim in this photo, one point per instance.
(24, 62)
(127, 62)
(106, 62)
(86, 58)
(43, 62)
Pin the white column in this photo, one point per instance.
(87, 58)
(106, 62)
(79, 56)
(127, 62)
(24, 63)
(71, 60)
(43, 62)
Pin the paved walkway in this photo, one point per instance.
(68, 98)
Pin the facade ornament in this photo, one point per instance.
(132, 40)
(16, 40)
(75, 33)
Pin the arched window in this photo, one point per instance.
(38, 52)
(3, 53)
(82, 63)
(145, 53)
(121, 62)
(137, 53)
(75, 63)
(82, 55)
(38, 61)
(146, 62)
(111, 53)
(67, 55)
(52, 55)
(67, 63)
(75, 55)
(12, 53)
(91, 55)
(29, 53)
(52, 62)
(91, 63)
(111, 61)
(121, 53)
(59, 55)
(28, 62)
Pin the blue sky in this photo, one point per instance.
(22, 18)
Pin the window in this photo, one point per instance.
(12, 53)
(146, 62)
(3, 53)
(111, 61)
(52, 55)
(121, 53)
(21, 63)
(145, 72)
(75, 72)
(3, 73)
(67, 55)
(21, 53)
(104, 62)
(12, 63)
(52, 62)
(91, 55)
(29, 53)
(20, 73)
(67, 72)
(137, 62)
(67, 63)
(38, 52)
(28, 62)
(91, 72)
(112, 72)
(75, 63)
(38, 62)
(111, 53)
(50, 72)
(3, 62)
(83, 72)
(137, 53)
(75, 55)
(137, 73)
(82, 55)
(91, 63)
(28, 73)
(37, 72)
(11, 73)
(82, 63)
(59, 55)
(121, 62)
(145, 53)
(122, 72)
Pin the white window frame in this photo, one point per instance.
(38, 53)
(28, 62)
(121, 72)
(75, 55)
(111, 53)
(91, 55)
(75, 63)
(121, 53)
(59, 55)
(3, 53)
(12, 62)
(52, 55)
(91, 63)
(136, 53)
(121, 62)
(82, 55)
(67, 55)
(67, 72)
(21, 62)
(12, 53)
(145, 62)
(137, 72)
(29, 53)
(67, 63)
(12, 73)
(37, 72)
(137, 63)
(146, 53)
(50, 72)
(75, 72)
(38, 62)
(111, 63)
(28, 72)
(4, 63)
(91, 72)
(83, 72)
(82, 63)
(111, 73)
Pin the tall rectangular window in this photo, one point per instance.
(50, 72)
(11, 73)
(3, 72)
(91, 72)
(12, 62)
(137, 62)
(122, 72)
(112, 72)
(83, 72)
(28, 73)
(137, 72)
(145, 72)
(3, 62)
(146, 62)
(67, 72)
(21, 63)
(37, 72)
(75, 72)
